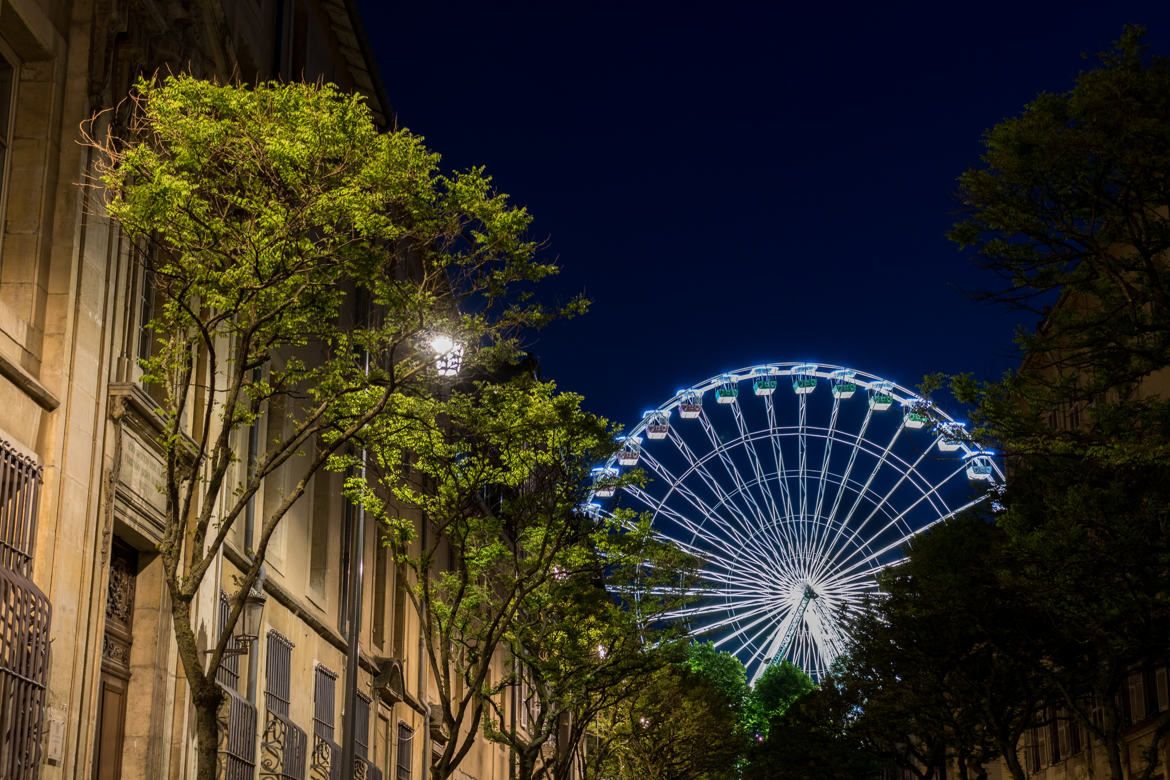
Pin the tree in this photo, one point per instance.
(685, 723)
(1071, 199)
(588, 642)
(501, 475)
(949, 651)
(1091, 549)
(778, 687)
(299, 259)
(1070, 208)
(812, 739)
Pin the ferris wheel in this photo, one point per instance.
(793, 484)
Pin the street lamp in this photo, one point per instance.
(448, 354)
(250, 620)
(250, 617)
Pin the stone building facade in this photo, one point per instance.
(89, 680)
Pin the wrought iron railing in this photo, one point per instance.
(237, 737)
(326, 763)
(283, 749)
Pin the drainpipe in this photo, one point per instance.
(353, 625)
(422, 679)
(249, 539)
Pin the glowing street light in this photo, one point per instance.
(448, 354)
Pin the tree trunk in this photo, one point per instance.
(206, 701)
(525, 764)
(1012, 760)
(1112, 734)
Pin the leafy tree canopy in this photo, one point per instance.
(1072, 199)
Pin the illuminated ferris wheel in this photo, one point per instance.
(794, 485)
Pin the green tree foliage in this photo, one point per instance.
(299, 259)
(684, 724)
(947, 663)
(1091, 549)
(505, 554)
(812, 739)
(778, 687)
(588, 642)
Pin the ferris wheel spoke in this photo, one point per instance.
(697, 467)
(826, 634)
(908, 473)
(877, 466)
(755, 640)
(710, 554)
(925, 495)
(749, 606)
(745, 540)
(903, 474)
(830, 437)
(740, 533)
(848, 473)
(753, 456)
(761, 615)
(908, 536)
(778, 454)
(718, 447)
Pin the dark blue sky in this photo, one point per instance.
(740, 183)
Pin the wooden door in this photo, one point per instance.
(115, 677)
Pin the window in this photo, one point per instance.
(361, 733)
(20, 479)
(320, 531)
(402, 765)
(237, 755)
(1137, 696)
(348, 524)
(284, 744)
(324, 684)
(278, 682)
(326, 752)
(146, 306)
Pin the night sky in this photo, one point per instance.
(741, 183)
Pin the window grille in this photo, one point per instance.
(228, 673)
(284, 746)
(237, 715)
(24, 620)
(363, 769)
(20, 479)
(326, 760)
